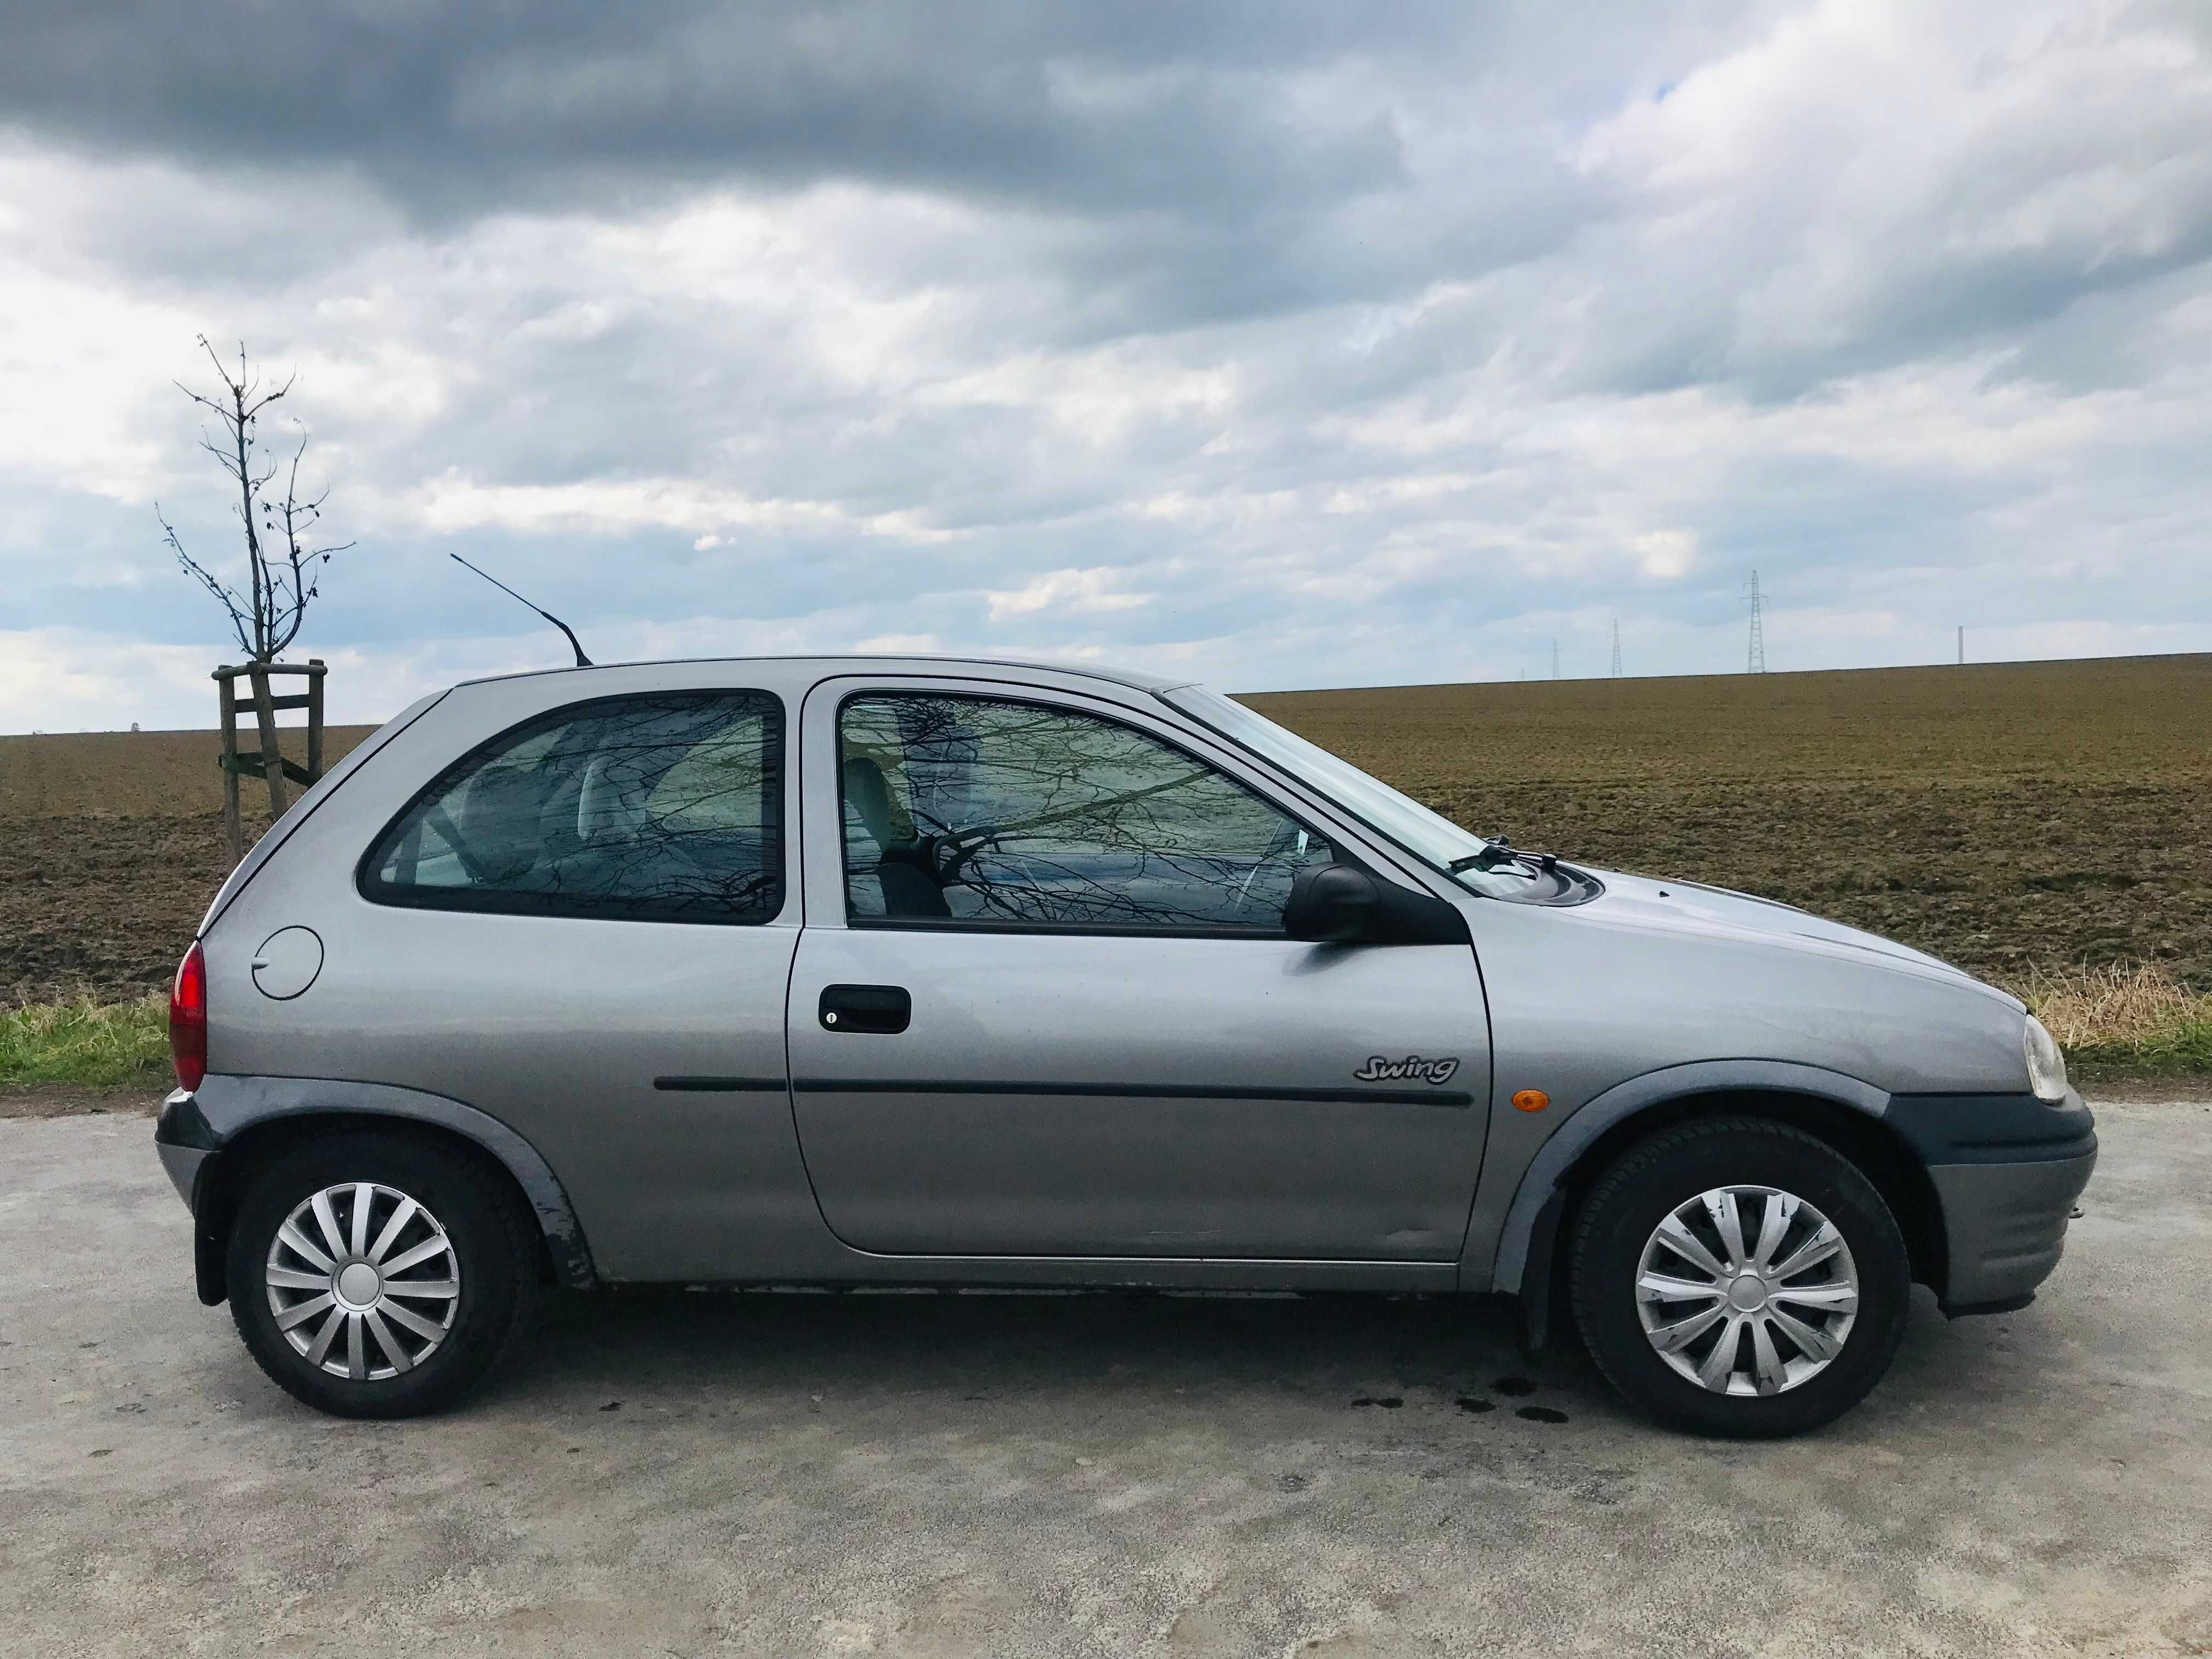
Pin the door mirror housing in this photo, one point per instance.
(1331, 904)
(1343, 904)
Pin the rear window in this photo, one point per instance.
(663, 808)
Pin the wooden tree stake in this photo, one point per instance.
(267, 762)
(272, 756)
(232, 829)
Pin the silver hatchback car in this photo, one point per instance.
(928, 972)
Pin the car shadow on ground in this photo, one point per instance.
(1067, 1350)
(1031, 1346)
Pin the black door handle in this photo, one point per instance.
(884, 1009)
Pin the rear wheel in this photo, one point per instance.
(373, 1275)
(1739, 1277)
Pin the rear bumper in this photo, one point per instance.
(186, 1145)
(183, 1165)
(191, 1153)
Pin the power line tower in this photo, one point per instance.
(1555, 659)
(1616, 648)
(1755, 659)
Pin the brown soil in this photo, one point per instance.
(136, 775)
(2007, 818)
(102, 904)
(110, 846)
(74, 1100)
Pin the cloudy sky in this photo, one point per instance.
(1282, 344)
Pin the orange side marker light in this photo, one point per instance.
(1531, 1100)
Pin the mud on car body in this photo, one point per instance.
(924, 971)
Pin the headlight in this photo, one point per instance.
(2046, 1066)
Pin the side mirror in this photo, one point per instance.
(1331, 904)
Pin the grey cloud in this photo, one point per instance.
(1076, 108)
(1449, 381)
(1174, 165)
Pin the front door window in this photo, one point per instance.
(962, 811)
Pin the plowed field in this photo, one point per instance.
(2008, 817)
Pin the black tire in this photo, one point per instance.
(1645, 1184)
(492, 1246)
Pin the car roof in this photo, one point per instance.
(1135, 679)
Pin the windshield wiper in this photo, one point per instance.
(1496, 851)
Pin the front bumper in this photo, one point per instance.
(2006, 1169)
(2005, 1224)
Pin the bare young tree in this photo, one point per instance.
(285, 556)
(283, 562)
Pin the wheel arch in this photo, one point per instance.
(1841, 1111)
(257, 1120)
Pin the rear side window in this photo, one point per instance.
(652, 809)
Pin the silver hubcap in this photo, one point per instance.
(363, 1281)
(1746, 1289)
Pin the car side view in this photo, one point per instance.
(921, 971)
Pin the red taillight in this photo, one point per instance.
(188, 1019)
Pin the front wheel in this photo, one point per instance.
(1739, 1277)
(374, 1275)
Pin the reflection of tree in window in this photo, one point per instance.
(969, 809)
(661, 808)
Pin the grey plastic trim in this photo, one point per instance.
(231, 1105)
(183, 1165)
(840, 1085)
(722, 1085)
(2004, 1225)
(861, 1270)
(1581, 1131)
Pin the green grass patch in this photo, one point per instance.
(2184, 1049)
(84, 1041)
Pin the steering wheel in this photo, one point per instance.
(951, 851)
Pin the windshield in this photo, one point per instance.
(1427, 834)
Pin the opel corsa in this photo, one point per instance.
(923, 972)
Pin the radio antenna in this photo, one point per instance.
(582, 661)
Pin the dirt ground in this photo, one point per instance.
(102, 904)
(2005, 818)
(134, 774)
(110, 846)
(2008, 817)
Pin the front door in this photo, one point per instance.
(1056, 1014)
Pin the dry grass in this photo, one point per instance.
(82, 1040)
(2135, 1019)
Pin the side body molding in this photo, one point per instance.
(231, 1105)
(1623, 1100)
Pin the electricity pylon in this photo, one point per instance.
(1755, 659)
(1616, 648)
